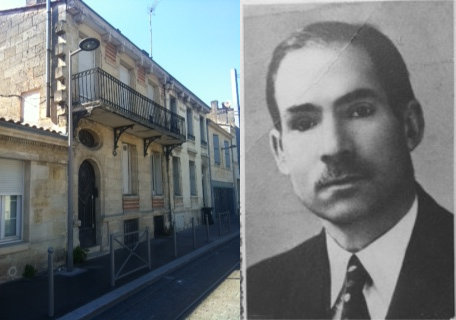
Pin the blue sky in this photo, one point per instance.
(196, 41)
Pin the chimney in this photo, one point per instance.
(214, 106)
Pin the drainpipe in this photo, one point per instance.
(167, 156)
(209, 155)
(48, 58)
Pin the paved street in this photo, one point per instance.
(169, 297)
(223, 302)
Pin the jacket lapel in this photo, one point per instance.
(423, 289)
(314, 286)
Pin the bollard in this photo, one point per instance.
(207, 227)
(148, 248)
(175, 240)
(220, 224)
(111, 251)
(51, 281)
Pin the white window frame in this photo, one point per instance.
(19, 193)
(17, 235)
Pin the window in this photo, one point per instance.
(88, 138)
(157, 179)
(124, 94)
(190, 135)
(174, 118)
(126, 169)
(216, 149)
(202, 132)
(173, 105)
(152, 92)
(176, 176)
(227, 153)
(11, 197)
(193, 191)
(31, 107)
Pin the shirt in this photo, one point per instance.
(382, 259)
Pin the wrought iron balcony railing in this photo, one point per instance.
(97, 85)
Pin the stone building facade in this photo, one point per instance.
(224, 168)
(224, 160)
(139, 137)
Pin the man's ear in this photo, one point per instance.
(413, 124)
(275, 141)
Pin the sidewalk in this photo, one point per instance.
(90, 288)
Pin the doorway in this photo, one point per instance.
(87, 193)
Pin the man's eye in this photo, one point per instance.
(303, 124)
(361, 110)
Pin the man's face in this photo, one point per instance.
(345, 151)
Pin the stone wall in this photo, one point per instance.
(44, 203)
(22, 62)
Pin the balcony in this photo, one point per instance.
(111, 102)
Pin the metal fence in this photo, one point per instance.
(129, 250)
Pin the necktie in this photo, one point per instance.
(351, 303)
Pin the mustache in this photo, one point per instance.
(342, 172)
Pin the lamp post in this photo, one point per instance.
(87, 44)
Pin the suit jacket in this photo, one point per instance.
(296, 284)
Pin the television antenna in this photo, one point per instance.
(152, 9)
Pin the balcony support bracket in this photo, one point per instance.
(168, 149)
(148, 141)
(117, 133)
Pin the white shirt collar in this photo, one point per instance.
(382, 259)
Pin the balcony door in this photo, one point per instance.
(124, 76)
(86, 82)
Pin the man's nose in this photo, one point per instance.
(335, 140)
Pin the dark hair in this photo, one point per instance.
(386, 59)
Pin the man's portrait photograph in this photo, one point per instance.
(348, 128)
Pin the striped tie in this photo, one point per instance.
(351, 303)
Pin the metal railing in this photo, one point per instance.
(97, 85)
(132, 250)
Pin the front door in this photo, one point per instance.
(86, 204)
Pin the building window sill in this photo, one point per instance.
(13, 247)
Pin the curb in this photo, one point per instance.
(102, 303)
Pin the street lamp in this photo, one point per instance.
(87, 44)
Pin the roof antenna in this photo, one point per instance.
(152, 12)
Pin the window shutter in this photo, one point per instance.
(11, 177)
